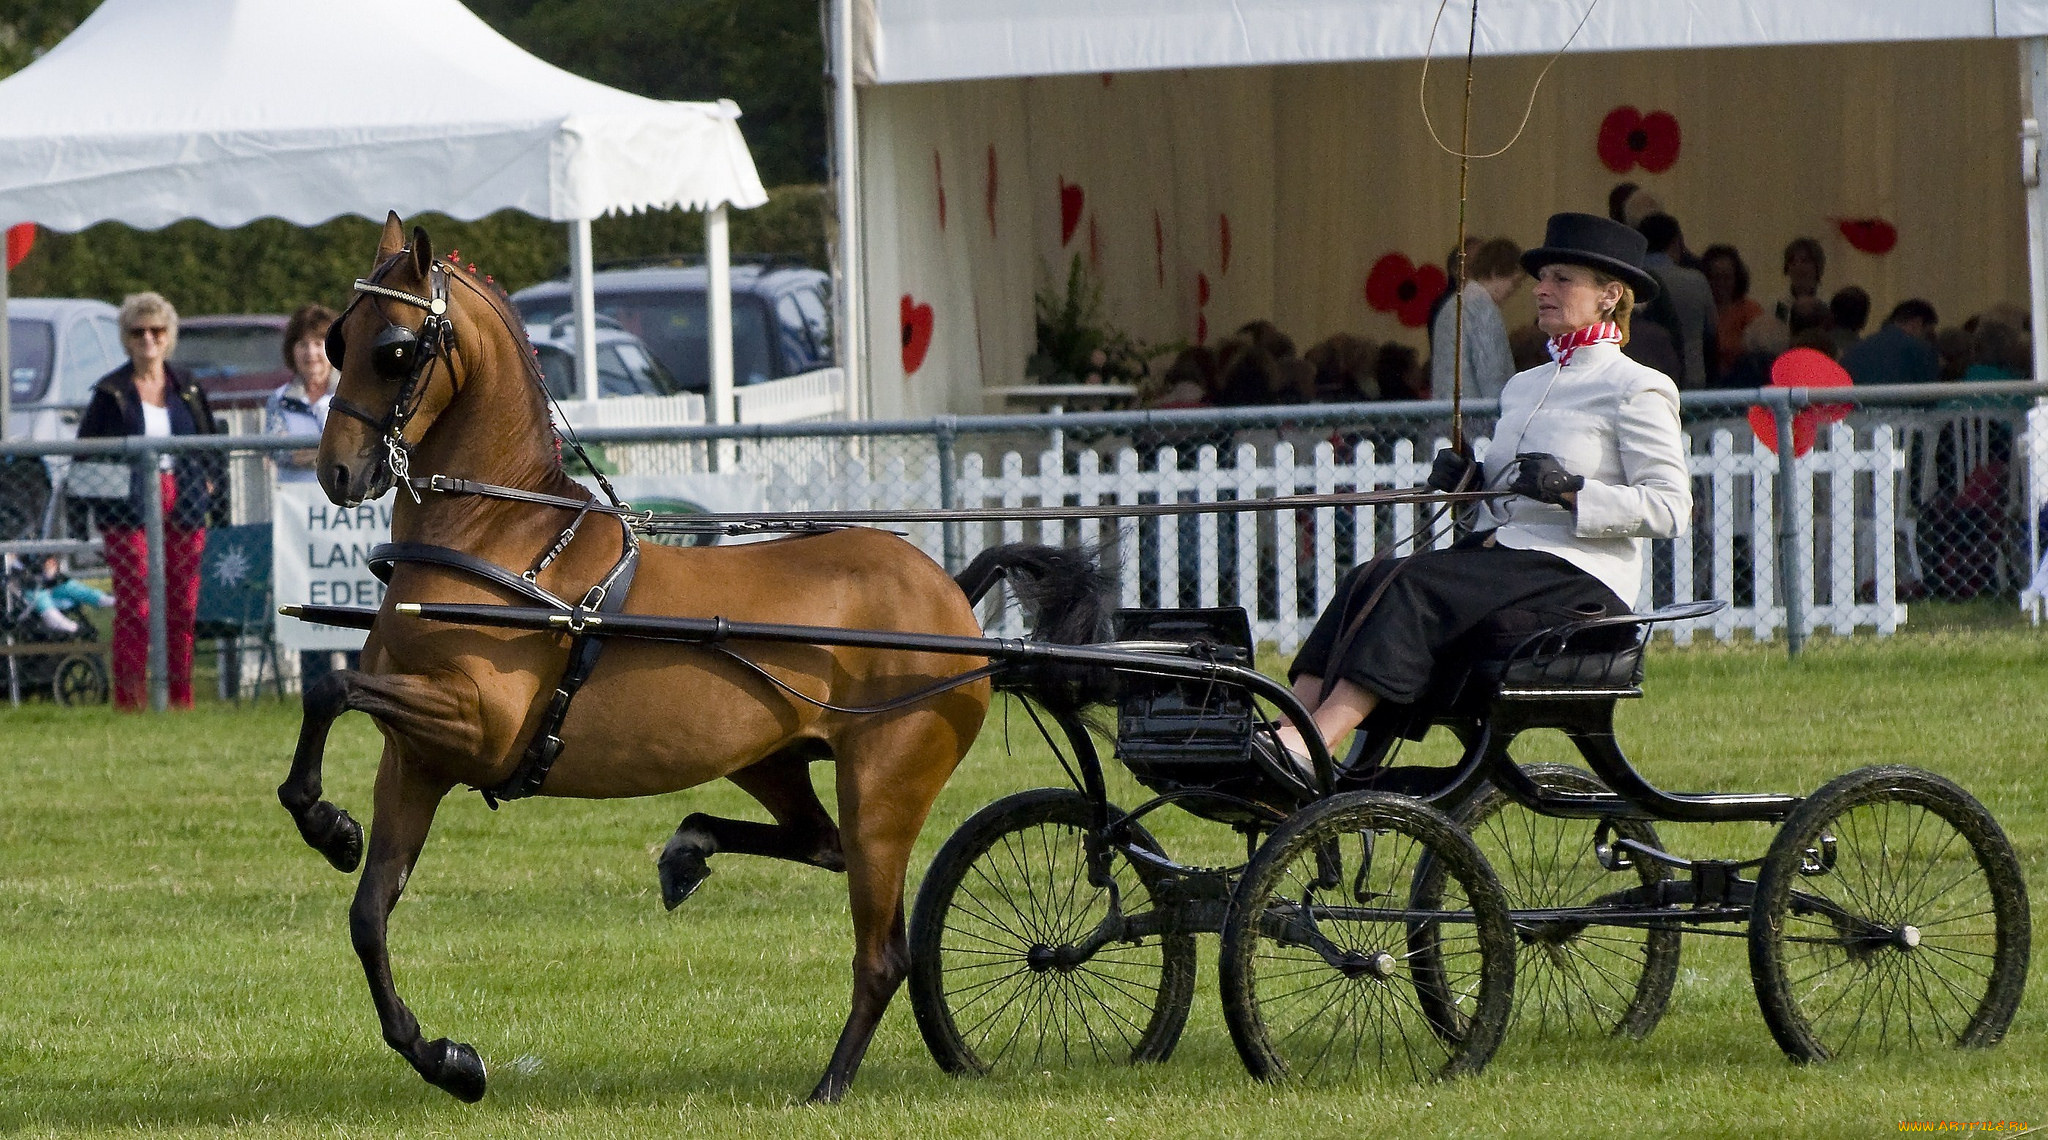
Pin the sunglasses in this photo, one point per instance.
(151, 330)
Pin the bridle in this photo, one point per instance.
(400, 356)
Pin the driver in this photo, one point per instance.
(1590, 446)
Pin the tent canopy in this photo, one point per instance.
(917, 41)
(231, 110)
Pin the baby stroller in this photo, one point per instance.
(43, 657)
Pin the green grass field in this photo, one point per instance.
(173, 961)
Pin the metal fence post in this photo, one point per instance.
(153, 533)
(1793, 574)
(945, 430)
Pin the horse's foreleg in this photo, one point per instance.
(326, 828)
(405, 703)
(888, 779)
(406, 801)
(802, 831)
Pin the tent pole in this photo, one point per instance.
(585, 308)
(718, 311)
(6, 354)
(2034, 108)
(846, 136)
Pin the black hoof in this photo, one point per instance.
(455, 1069)
(829, 1091)
(682, 871)
(333, 833)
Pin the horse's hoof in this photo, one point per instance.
(333, 833)
(829, 1091)
(455, 1070)
(682, 871)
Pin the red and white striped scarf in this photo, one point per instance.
(1599, 332)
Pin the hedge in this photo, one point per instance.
(272, 266)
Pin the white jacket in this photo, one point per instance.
(1613, 421)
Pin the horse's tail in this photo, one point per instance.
(1067, 598)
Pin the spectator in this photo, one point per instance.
(55, 593)
(1684, 303)
(1495, 275)
(2002, 352)
(1733, 309)
(1188, 382)
(1764, 340)
(299, 406)
(1530, 346)
(1617, 200)
(1454, 264)
(1902, 352)
(1850, 307)
(1805, 261)
(1957, 349)
(1399, 373)
(1812, 326)
(146, 396)
(1343, 365)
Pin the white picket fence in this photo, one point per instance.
(1284, 567)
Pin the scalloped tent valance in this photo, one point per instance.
(231, 110)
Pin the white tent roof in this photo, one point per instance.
(231, 110)
(914, 41)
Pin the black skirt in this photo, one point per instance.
(1436, 601)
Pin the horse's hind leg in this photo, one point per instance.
(406, 801)
(802, 831)
(888, 777)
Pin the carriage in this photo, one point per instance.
(1391, 918)
(1387, 917)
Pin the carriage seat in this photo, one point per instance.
(1517, 656)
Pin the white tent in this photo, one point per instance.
(1219, 160)
(231, 110)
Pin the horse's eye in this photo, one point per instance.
(391, 357)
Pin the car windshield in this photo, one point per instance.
(31, 344)
(228, 351)
(673, 325)
(623, 369)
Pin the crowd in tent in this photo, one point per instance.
(1704, 330)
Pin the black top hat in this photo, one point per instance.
(1596, 243)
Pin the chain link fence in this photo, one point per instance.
(1844, 516)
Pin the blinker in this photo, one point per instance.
(391, 355)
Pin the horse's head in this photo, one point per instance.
(392, 347)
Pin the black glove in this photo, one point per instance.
(1449, 469)
(1541, 477)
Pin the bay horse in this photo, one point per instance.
(437, 377)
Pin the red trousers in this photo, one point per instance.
(128, 562)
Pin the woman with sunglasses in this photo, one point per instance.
(146, 396)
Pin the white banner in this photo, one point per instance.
(320, 556)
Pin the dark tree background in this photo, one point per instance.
(765, 55)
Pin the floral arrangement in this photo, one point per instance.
(1076, 346)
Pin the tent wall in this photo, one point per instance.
(1322, 169)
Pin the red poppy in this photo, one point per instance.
(1071, 200)
(917, 333)
(1869, 235)
(1801, 368)
(1396, 285)
(20, 239)
(1629, 138)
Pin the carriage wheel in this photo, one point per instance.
(1571, 977)
(1890, 912)
(1330, 947)
(1001, 967)
(80, 680)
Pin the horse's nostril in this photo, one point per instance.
(341, 474)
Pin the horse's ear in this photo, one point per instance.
(422, 252)
(393, 238)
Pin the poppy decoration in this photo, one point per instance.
(1869, 235)
(917, 333)
(1629, 138)
(1801, 368)
(1071, 201)
(20, 239)
(1397, 285)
